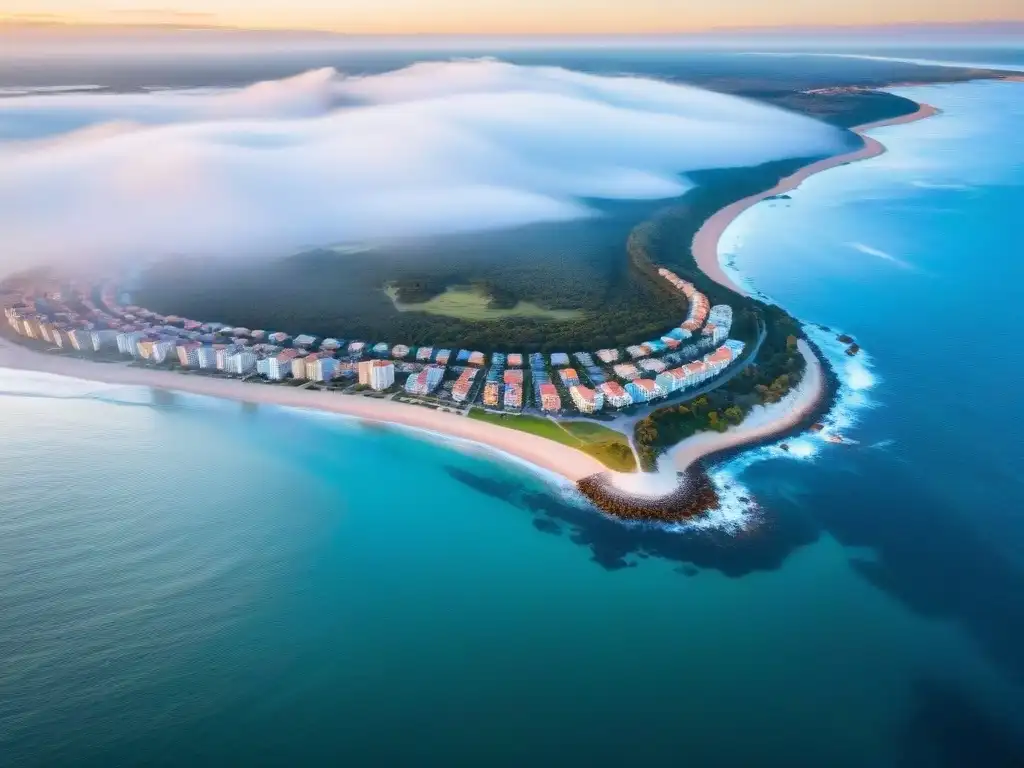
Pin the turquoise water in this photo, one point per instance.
(184, 581)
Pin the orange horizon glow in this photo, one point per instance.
(499, 17)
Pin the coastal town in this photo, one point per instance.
(94, 317)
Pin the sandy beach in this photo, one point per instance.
(567, 462)
(705, 242)
(762, 422)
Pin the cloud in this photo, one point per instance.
(322, 158)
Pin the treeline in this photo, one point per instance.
(326, 294)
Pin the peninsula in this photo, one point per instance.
(728, 392)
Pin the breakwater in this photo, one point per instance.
(694, 495)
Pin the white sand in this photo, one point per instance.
(762, 422)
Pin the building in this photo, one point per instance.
(278, 337)
(549, 399)
(163, 349)
(569, 377)
(615, 395)
(304, 340)
(426, 381)
(721, 316)
(608, 356)
(103, 339)
(324, 368)
(498, 360)
(127, 343)
(559, 358)
(513, 396)
(299, 368)
(626, 371)
(652, 365)
(223, 353)
(492, 392)
(476, 358)
(80, 340)
(586, 399)
(280, 366)
(206, 357)
(331, 344)
(356, 348)
(377, 374)
(460, 390)
(513, 376)
(443, 356)
(240, 363)
(463, 356)
(696, 373)
(644, 390)
(188, 354)
(736, 347)
(381, 349)
(636, 351)
(423, 354)
(716, 333)
(399, 351)
(515, 360)
(672, 380)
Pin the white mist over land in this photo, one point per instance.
(322, 158)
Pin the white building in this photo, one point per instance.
(615, 395)
(102, 339)
(324, 368)
(206, 357)
(280, 366)
(377, 374)
(241, 363)
(127, 343)
(586, 399)
(162, 350)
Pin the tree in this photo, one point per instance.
(733, 415)
(647, 431)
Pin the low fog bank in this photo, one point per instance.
(322, 158)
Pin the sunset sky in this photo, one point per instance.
(505, 16)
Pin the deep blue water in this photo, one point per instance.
(192, 582)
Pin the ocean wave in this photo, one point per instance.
(738, 508)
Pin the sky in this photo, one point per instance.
(507, 16)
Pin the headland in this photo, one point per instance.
(680, 489)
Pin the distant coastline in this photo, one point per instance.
(705, 243)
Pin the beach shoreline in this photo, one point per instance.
(763, 422)
(563, 460)
(705, 242)
(546, 455)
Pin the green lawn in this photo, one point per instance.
(609, 447)
(467, 303)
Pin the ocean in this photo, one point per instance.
(185, 581)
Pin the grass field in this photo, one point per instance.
(609, 447)
(467, 303)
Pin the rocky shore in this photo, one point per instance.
(693, 495)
